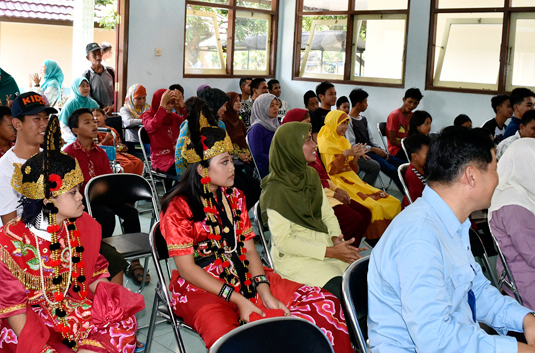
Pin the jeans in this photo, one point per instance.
(389, 167)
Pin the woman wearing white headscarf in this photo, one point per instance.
(264, 122)
(511, 216)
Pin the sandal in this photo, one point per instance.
(140, 347)
(135, 273)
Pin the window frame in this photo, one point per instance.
(505, 69)
(349, 63)
(228, 66)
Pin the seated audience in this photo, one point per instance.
(521, 100)
(274, 87)
(341, 162)
(308, 244)
(93, 162)
(398, 121)
(527, 129)
(216, 100)
(220, 279)
(129, 163)
(180, 104)
(79, 99)
(425, 290)
(8, 88)
(7, 132)
(195, 108)
(135, 104)
(503, 109)
(264, 123)
(246, 101)
(48, 304)
(245, 178)
(163, 127)
(326, 94)
(420, 123)
(417, 148)
(52, 81)
(101, 78)
(343, 104)
(311, 101)
(30, 118)
(358, 132)
(298, 115)
(511, 215)
(463, 120)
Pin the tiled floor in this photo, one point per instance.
(164, 340)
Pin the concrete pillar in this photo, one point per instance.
(82, 34)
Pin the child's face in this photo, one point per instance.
(425, 128)
(276, 90)
(344, 107)
(87, 126)
(330, 97)
(362, 106)
(100, 118)
(342, 128)
(313, 104)
(418, 159)
(409, 104)
(84, 89)
(69, 204)
(505, 109)
(7, 132)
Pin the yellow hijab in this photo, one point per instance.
(329, 142)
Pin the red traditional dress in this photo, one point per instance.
(212, 316)
(22, 277)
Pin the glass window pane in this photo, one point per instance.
(523, 3)
(460, 4)
(256, 4)
(325, 5)
(379, 48)
(380, 5)
(215, 1)
(468, 48)
(251, 44)
(206, 38)
(524, 53)
(323, 45)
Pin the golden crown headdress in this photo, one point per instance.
(189, 152)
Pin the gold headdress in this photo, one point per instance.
(49, 173)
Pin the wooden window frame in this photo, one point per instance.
(507, 10)
(233, 8)
(351, 14)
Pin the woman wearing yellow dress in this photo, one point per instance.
(340, 161)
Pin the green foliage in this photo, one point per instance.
(307, 21)
(108, 11)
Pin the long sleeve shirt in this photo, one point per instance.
(259, 139)
(419, 277)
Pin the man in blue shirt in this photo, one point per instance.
(426, 293)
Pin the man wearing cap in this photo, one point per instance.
(30, 118)
(101, 79)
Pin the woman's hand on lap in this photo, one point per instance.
(271, 302)
(246, 308)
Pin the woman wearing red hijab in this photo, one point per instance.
(298, 115)
(163, 127)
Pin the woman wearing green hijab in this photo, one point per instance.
(308, 246)
(52, 82)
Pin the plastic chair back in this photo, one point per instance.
(274, 335)
(262, 229)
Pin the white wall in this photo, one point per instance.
(161, 25)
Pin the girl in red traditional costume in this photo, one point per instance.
(221, 282)
(55, 295)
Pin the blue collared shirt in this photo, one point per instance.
(419, 276)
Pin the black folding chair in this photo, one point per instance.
(480, 254)
(401, 174)
(355, 294)
(274, 335)
(119, 189)
(161, 306)
(266, 258)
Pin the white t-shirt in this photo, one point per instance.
(9, 198)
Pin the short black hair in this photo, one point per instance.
(418, 118)
(455, 149)
(358, 95)
(498, 100)
(272, 83)
(243, 80)
(518, 95)
(98, 109)
(527, 117)
(178, 87)
(413, 93)
(414, 143)
(461, 119)
(5, 111)
(256, 83)
(322, 88)
(309, 94)
(73, 119)
(341, 101)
